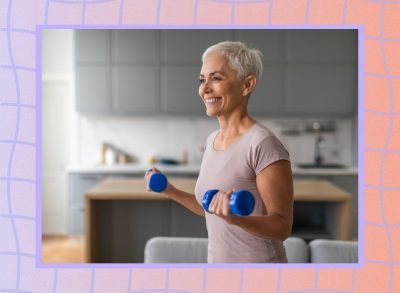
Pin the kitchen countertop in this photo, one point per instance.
(193, 169)
(135, 189)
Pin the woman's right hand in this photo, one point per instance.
(150, 172)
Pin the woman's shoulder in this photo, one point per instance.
(265, 141)
(260, 133)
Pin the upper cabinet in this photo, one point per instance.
(317, 91)
(321, 46)
(267, 96)
(135, 47)
(135, 90)
(122, 75)
(270, 42)
(187, 46)
(92, 46)
(93, 89)
(321, 72)
(179, 90)
(307, 72)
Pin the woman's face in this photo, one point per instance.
(220, 88)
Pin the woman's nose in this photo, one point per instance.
(206, 87)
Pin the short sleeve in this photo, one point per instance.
(266, 152)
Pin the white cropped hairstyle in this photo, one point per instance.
(241, 58)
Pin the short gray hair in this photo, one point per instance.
(241, 58)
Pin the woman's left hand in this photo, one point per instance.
(220, 206)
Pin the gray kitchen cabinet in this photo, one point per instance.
(328, 46)
(93, 89)
(268, 95)
(152, 72)
(346, 182)
(76, 219)
(78, 184)
(269, 41)
(92, 46)
(187, 46)
(135, 47)
(135, 90)
(321, 90)
(185, 223)
(180, 90)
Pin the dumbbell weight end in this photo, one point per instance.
(241, 202)
(157, 182)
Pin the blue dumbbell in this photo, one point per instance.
(241, 202)
(157, 181)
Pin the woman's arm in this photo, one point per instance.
(275, 185)
(186, 199)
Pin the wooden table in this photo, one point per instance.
(115, 189)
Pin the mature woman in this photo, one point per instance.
(241, 154)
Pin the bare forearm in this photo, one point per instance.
(185, 199)
(271, 226)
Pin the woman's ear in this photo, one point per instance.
(249, 84)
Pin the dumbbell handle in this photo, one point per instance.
(157, 181)
(241, 202)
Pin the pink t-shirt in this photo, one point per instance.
(237, 167)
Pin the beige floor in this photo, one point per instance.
(63, 249)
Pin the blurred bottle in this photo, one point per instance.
(185, 157)
(103, 149)
(110, 156)
(151, 160)
(122, 158)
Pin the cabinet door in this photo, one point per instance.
(93, 89)
(269, 41)
(135, 47)
(78, 184)
(267, 98)
(76, 219)
(136, 90)
(322, 90)
(187, 46)
(322, 46)
(180, 90)
(92, 46)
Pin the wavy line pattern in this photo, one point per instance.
(376, 269)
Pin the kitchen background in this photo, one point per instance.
(136, 91)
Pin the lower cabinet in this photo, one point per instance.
(76, 218)
(122, 227)
(78, 184)
(131, 223)
(313, 220)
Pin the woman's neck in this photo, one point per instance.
(234, 125)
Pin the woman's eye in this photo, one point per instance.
(201, 80)
(216, 78)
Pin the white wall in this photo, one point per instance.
(58, 131)
(57, 52)
(169, 136)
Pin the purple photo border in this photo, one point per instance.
(360, 131)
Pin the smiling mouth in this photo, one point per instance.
(210, 101)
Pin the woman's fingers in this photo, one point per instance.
(147, 175)
(220, 204)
